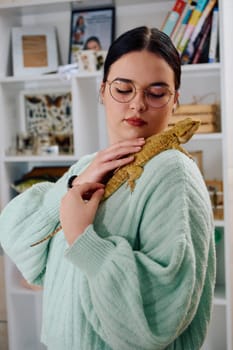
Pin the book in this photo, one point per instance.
(212, 57)
(189, 51)
(191, 25)
(173, 16)
(207, 10)
(180, 20)
(181, 29)
(202, 52)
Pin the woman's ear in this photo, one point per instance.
(101, 92)
(176, 101)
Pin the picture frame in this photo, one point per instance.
(34, 50)
(197, 156)
(88, 23)
(46, 120)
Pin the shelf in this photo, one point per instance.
(201, 68)
(49, 159)
(48, 77)
(219, 223)
(26, 7)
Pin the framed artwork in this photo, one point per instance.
(34, 50)
(197, 157)
(46, 119)
(96, 25)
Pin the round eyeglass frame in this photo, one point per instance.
(135, 92)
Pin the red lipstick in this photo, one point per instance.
(135, 121)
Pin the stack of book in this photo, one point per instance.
(193, 28)
(208, 114)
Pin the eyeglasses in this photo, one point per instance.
(124, 91)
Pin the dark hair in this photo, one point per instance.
(144, 38)
(92, 38)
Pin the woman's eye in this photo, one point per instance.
(123, 90)
(157, 95)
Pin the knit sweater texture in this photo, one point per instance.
(141, 277)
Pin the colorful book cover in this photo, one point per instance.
(189, 9)
(213, 37)
(191, 25)
(173, 16)
(201, 54)
(191, 48)
(180, 20)
(209, 7)
(189, 51)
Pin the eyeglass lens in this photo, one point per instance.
(123, 92)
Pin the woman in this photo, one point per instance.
(137, 271)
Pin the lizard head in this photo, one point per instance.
(185, 129)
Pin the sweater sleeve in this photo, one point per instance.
(146, 298)
(30, 217)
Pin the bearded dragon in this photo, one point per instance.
(155, 144)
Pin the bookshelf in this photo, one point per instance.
(214, 80)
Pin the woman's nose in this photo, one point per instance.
(138, 103)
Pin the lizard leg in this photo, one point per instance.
(134, 173)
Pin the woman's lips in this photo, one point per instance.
(135, 121)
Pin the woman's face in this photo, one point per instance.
(136, 118)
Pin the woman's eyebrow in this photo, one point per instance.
(124, 79)
(159, 83)
(155, 83)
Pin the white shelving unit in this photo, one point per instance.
(214, 80)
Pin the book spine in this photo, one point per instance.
(191, 25)
(173, 17)
(213, 37)
(202, 43)
(191, 48)
(180, 32)
(180, 20)
(209, 7)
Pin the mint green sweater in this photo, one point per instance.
(140, 278)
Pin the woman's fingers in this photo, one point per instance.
(110, 159)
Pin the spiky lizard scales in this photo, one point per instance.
(155, 144)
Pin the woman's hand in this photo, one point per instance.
(76, 212)
(109, 159)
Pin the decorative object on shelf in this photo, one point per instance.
(215, 188)
(90, 60)
(36, 175)
(24, 143)
(34, 50)
(197, 157)
(98, 23)
(208, 114)
(47, 116)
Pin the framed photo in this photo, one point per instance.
(34, 50)
(46, 118)
(94, 26)
(197, 157)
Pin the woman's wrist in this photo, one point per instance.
(70, 182)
